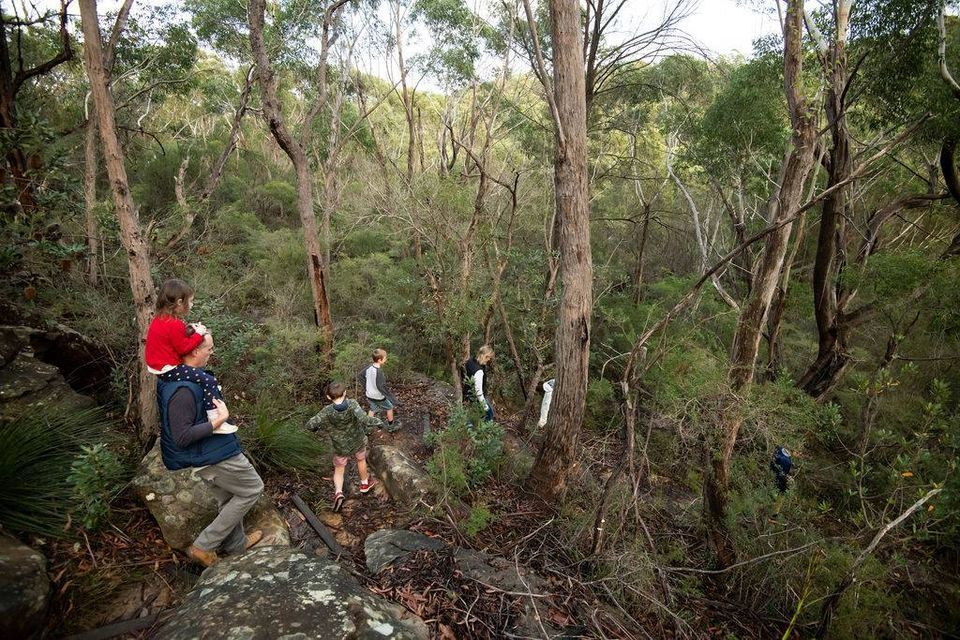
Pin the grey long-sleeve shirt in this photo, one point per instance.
(376, 384)
(181, 412)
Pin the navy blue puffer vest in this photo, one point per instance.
(201, 453)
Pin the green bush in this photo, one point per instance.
(274, 202)
(363, 242)
(602, 404)
(96, 477)
(287, 365)
(465, 457)
(479, 519)
(36, 457)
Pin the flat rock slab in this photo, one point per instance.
(183, 504)
(24, 590)
(406, 481)
(386, 545)
(283, 593)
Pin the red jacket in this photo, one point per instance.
(168, 342)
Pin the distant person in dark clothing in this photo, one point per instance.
(781, 465)
(189, 438)
(475, 379)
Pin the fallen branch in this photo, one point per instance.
(321, 530)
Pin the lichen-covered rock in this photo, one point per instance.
(24, 590)
(386, 545)
(183, 504)
(405, 480)
(283, 593)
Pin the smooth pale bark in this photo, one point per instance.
(138, 259)
(270, 104)
(556, 457)
(783, 207)
(702, 243)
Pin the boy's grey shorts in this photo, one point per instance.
(380, 405)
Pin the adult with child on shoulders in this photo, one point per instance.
(189, 438)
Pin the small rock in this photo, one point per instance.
(383, 547)
(346, 539)
(331, 519)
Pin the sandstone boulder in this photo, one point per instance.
(183, 504)
(29, 385)
(386, 545)
(273, 592)
(406, 481)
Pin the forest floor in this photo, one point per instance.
(127, 571)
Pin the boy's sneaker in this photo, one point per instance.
(365, 486)
(338, 501)
(393, 427)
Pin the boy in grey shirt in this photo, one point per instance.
(378, 395)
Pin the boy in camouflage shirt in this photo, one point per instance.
(347, 426)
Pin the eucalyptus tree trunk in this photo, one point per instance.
(832, 352)
(304, 178)
(782, 207)
(92, 227)
(556, 457)
(138, 259)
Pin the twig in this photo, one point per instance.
(826, 611)
(87, 540)
(744, 562)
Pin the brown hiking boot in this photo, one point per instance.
(206, 558)
(253, 538)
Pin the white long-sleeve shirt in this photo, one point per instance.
(478, 385)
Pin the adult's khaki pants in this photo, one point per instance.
(237, 487)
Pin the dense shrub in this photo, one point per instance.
(96, 479)
(465, 456)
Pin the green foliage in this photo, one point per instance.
(275, 203)
(363, 242)
(465, 456)
(747, 122)
(287, 364)
(36, 457)
(234, 338)
(479, 519)
(602, 404)
(95, 476)
(280, 442)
